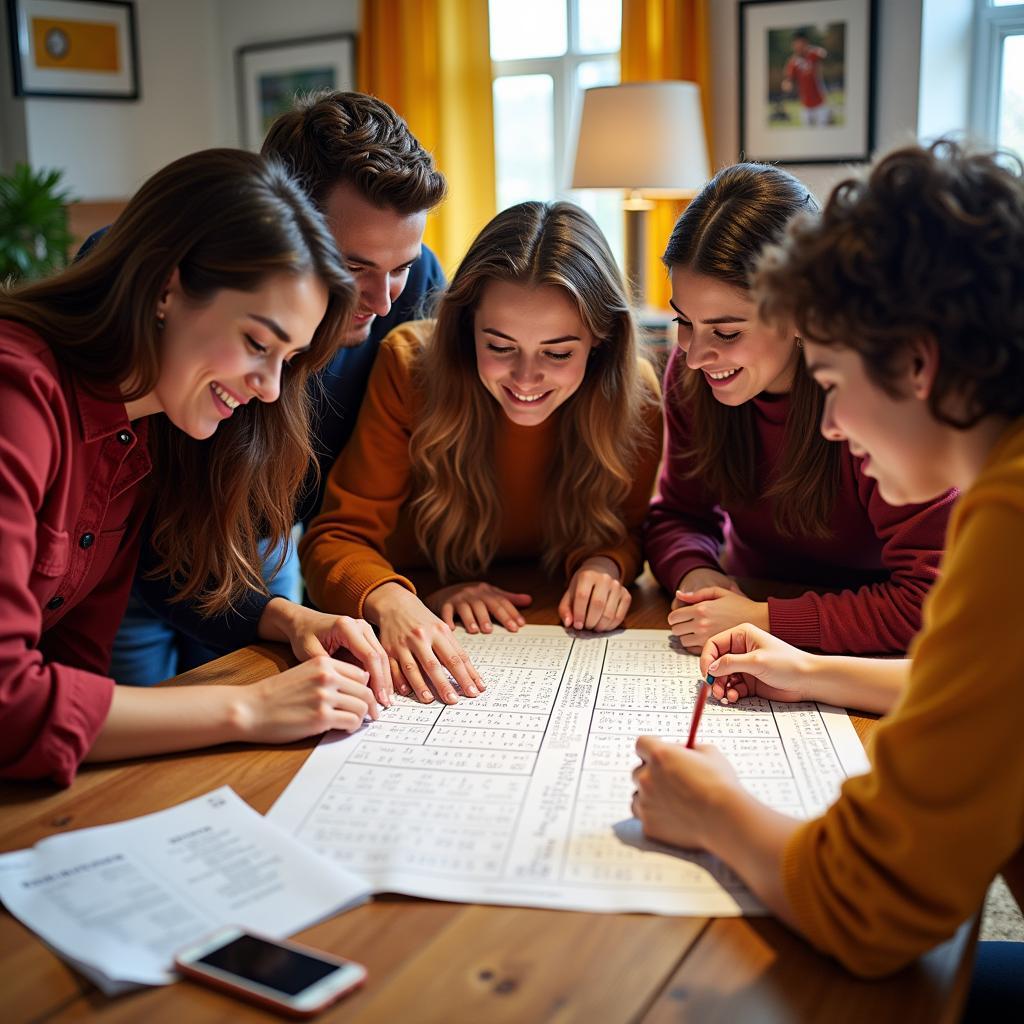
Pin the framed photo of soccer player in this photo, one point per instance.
(807, 71)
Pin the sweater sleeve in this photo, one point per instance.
(628, 555)
(50, 713)
(685, 526)
(881, 618)
(907, 852)
(342, 552)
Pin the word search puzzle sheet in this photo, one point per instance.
(522, 796)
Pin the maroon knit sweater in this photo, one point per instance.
(882, 559)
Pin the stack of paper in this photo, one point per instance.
(118, 901)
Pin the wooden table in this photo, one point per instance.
(450, 962)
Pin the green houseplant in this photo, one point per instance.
(34, 235)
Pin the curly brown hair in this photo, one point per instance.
(930, 244)
(334, 137)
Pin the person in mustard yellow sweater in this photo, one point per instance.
(522, 423)
(907, 294)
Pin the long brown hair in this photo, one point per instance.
(225, 219)
(738, 213)
(456, 511)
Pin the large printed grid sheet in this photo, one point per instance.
(522, 795)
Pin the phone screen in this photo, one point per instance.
(285, 970)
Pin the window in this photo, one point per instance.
(544, 53)
(997, 105)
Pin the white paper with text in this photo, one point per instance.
(118, 901)
(522, 795)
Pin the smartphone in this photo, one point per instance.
(291, 978)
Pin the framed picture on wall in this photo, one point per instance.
(807, 71)
(70, 48)
(270, 75)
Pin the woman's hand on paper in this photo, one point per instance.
(678, 792)
(311, 634)
(595, 598)
(477, 604)
(314, 696)
(425, 656)
(702, 613)
(747, 661)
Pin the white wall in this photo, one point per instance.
(108, 148)
(898, 51)
(187, 51)
(243, 22)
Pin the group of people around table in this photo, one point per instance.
(263, 339)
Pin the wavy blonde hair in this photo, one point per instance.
(456, 511)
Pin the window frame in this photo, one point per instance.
(563, 70)
(992, 26)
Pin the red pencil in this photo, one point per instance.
(698, 710)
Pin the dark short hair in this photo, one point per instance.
(802, 33)
(334, 137)
(930, 244)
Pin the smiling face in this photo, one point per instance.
(379, 245)
(903, 446)
(232, 348)
(531, 348)
(718, 329)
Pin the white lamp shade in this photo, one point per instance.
(645, 136)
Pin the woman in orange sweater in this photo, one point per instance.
(908, 297)
(521, 424)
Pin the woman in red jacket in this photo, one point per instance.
(167, 370)
(749, 487)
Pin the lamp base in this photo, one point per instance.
(636, 247)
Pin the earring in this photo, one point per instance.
(799, 342)
(161, 321)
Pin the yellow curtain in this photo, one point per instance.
(431, 60)
(665, 39)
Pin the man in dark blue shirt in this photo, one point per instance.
(375, 185)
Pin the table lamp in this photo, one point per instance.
(647, 138)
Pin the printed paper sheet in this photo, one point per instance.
(117, 901)
(522, 795)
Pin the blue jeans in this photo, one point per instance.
(147, 650)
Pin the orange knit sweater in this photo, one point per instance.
(908, 851)
(364, 530)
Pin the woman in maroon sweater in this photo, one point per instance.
(749, 487)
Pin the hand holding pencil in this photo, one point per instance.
(747, 661)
